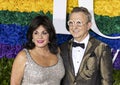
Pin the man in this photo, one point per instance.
(89, 63)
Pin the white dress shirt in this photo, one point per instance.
(78, 53)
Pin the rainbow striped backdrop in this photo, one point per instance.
(16, 14)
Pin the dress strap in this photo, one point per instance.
(27, 55)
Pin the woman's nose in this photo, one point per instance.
(40, 35)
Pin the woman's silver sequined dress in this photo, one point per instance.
(35, 74)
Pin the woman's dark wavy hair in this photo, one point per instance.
(48, 25)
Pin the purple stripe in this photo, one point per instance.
(9, 51)
(116, 63)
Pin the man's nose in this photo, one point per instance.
(75, 26)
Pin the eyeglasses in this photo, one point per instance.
(71, 23)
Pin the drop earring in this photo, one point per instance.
(32, 40)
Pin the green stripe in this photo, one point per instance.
(107, 25)
(20, 18)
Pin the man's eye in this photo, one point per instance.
(70, 23)
(78, 22)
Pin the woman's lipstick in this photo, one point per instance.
(40, 41)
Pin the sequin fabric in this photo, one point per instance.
(35, 74)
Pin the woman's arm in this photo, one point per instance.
(18, 68)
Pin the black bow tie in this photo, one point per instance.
(82, 45)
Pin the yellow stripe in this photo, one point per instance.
(107, 7)
(101, 7)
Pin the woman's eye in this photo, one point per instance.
(35, 32)
(44, 32)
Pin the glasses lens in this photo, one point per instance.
(70, 23)
(79, 23)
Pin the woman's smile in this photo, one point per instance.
(40, 41)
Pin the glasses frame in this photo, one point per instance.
(78, 23)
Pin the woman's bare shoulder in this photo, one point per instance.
(21, 56)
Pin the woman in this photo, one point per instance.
(39, 63)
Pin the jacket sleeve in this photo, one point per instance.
(106, 68)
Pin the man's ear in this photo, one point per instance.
(89, 25)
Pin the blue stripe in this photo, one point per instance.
(13, 34)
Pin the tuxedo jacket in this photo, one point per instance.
(95, 68)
